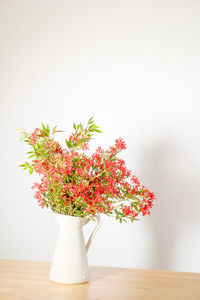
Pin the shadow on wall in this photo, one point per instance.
(175, 216)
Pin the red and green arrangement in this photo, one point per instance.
(76, 184)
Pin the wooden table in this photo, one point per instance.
(22, 280)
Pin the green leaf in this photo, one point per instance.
(30, 171)
(24, 135)
(97, 130)
(91, 120)
(69, 144)
(22, 165)
(48, 128)
(43, 126)
(78, 212)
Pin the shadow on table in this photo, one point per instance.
(103, 273)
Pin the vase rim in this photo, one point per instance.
(67, 216)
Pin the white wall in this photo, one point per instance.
(134, 66)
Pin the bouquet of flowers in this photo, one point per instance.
(76, 184)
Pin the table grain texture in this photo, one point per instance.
(24, 280)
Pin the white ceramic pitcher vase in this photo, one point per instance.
(70, 265)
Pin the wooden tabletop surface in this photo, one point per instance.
(22, 280)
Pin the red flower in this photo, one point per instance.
(34, 136)
(120, 144)
(73, 182)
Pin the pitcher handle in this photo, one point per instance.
(97, 217)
